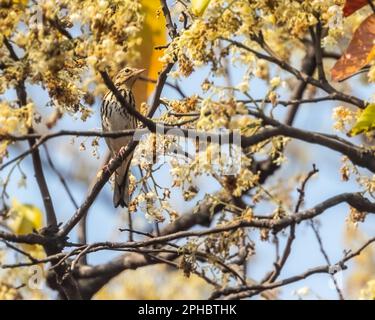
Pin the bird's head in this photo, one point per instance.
(127, 77)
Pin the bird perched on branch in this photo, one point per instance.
(115, 117)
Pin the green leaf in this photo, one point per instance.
(199, 6)
(365, 122)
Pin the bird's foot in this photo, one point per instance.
(122, 151)
(106, 167)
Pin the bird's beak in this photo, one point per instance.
(140, 71)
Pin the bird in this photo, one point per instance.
(115, 117)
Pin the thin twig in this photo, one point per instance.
(60, 176)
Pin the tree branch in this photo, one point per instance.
(37, 163)
(248, 291)
(300, 75)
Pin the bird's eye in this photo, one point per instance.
(127, 70)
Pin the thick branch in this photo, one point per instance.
(359, 156)
(101, 274)
(355, 200)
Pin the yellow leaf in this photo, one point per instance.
(153, 34)
(199, 6)
(368, 292)
(24, 218)
(21, 2)
(365, 122)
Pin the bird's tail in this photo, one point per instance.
(121, 195)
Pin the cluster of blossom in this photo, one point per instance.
(282, 23)
(343, 117)
(13, 121)
(103, 35)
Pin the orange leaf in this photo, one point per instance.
(352, 6)
(358, 53)
(371, 55)
(153, 34)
